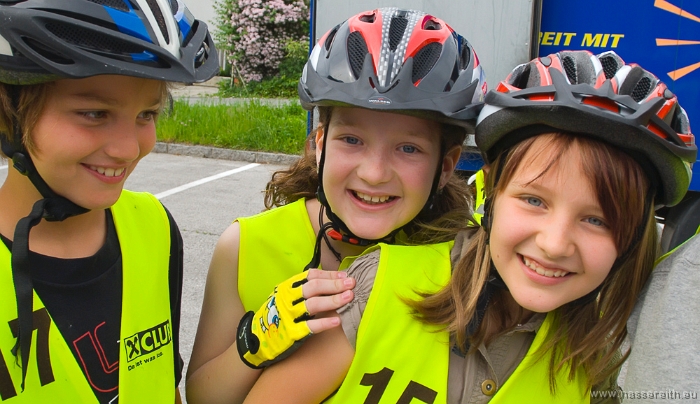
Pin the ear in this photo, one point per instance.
(320, 136)
(486, 168)
(449, 163)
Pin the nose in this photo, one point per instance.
(125, 141)
(375, 167)
(556, 237)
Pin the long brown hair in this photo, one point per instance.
(586, 334)
(451, 206)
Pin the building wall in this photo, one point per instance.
(203, 10)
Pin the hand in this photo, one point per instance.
(285, 320)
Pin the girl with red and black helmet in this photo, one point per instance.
(396, 92)
(90, 274)
(580, 150)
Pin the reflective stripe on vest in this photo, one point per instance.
(274, 246)
(398, 358)
(146, 362)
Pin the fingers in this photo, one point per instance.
(322, 324)
(326, 286)
(320, 304)
(321, 274)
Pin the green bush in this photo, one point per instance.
(283, 85)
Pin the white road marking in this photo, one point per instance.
(205, 180)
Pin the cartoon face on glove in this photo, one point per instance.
(272, 316)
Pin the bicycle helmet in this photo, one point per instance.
(393, 60)
(43, 40)
(403, 61)
(598, 96)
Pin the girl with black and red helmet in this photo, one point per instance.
(95, 270)
(396, 92)
(580, 150)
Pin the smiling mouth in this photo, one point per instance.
(108, 172)
(373, 200)
(536, 267)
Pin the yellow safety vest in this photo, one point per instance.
(274, 246)
(146, 360)
(398, 358)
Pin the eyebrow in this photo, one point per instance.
(340, 123)
(89, 96)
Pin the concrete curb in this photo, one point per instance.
(224, 154)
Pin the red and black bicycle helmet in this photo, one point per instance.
(598, 96)
(45, 40)
(403, 61)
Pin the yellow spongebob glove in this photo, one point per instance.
(278, 328)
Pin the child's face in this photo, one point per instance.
(549, 240)
(91, 134)
(379, 168)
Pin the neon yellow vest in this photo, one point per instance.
(53, 374)
(274, 246)
(398, 358)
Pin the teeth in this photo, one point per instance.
(544, 272)
(372, 199)
(108, 172)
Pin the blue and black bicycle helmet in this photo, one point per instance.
(45, 40)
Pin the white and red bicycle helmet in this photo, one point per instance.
(403, 61)
(597, 96)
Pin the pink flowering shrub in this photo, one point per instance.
(259, 32)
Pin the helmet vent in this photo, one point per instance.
(92, 40)
(610, 66)
(425, 59)
(174, 6)
(641, 90)
(115, 4)
(153, 4)
(330, 37)
(398, 27)
(357, 49)
(50, 54)
(570, 68)
(465, 55)
(368, 18)
(431, 25)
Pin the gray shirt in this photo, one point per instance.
(665, 332)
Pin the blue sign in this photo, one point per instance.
(663, 36)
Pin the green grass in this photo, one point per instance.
(245, 126)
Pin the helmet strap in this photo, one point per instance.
(52, 207)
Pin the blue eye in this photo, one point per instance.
(352, 140)
(595, 221)
(533, 201)
(408, 149)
